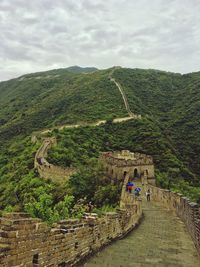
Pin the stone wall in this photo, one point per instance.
(120, 164)
(47, 170)
(25, 241)
(188, 212)
(121, 160)
(55, 173)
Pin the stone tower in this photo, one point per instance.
(126, 165)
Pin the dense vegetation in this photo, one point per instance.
(169, 131)
(76, 146)
(41, 100)
(173, 100)
(22, 190)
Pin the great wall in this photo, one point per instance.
(58, 174)
(120, 88)
(26, 241)
(47, 170)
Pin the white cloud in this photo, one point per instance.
(39, 35)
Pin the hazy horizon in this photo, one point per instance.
(45, 70)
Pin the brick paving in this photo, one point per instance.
(160, 241)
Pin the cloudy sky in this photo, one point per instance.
(45, 34)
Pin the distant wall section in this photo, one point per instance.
(47, 170)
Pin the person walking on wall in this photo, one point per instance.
(148, 193)
(137, 191)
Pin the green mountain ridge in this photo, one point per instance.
(72, 69)
(31, 104)
(169, 129)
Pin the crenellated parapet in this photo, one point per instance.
(123, 163)
(126, 158)
(26, 241)
(186, 210)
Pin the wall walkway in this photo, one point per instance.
(161, 240)
(186, 210)
(130, 113)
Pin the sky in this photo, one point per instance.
(40, 35)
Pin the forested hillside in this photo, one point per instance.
(174, 101)
(77, 146)
(40, 100)
(169, 131)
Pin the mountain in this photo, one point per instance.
(69, 95)
(45, 99)
(169, 129)
(171, 99)
(77, 69)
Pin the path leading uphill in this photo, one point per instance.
(130, 116)
(124, 97)
(161, 240)
(130, 113)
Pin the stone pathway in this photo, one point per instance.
(160, 241)
(130, 113)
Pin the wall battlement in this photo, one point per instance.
(125, 163)
(126, 158)
(26, 241)
(187, 211)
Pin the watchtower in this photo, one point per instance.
(132, 166)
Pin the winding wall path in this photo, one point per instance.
(160, 241)
(130, 116)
